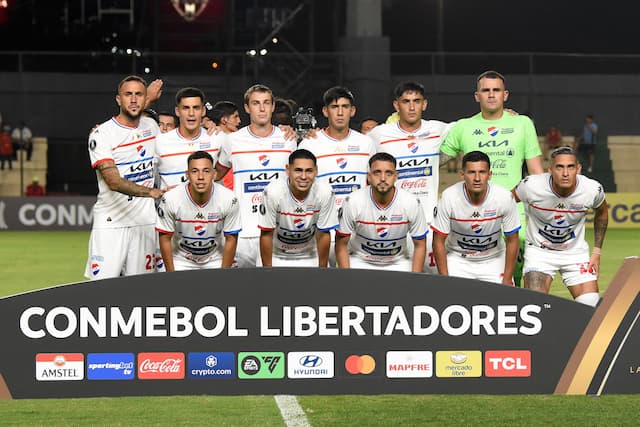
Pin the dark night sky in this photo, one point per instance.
(494, 25)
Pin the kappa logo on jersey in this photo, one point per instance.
(298, 223)
(413, 147)
(95, 268)
(199, 229)
(559, 219)
(382, 231)
(59, 366)
(341, 162)
(493, 131)
(477, 132)
(264, 159)
(476, 228)
(141, 150)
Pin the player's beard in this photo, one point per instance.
(131, 116)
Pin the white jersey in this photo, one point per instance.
(133, 151)
(556, 222)
(474, 231)
(295, 221)
(256, 161)
(198, 229)
(342, 164)
(379, 235)
(173, 149)
(418, 157)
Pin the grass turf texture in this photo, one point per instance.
(33, 260)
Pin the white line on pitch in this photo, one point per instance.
(292, 413)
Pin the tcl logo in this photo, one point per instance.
(161, 366)
(512, 363)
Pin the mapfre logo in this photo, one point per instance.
(507, 363)
(409, 364)
(161, 366)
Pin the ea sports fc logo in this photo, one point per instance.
(360, 365)
(141, 150)
(264, 160)
(493, 131)
(341, 162)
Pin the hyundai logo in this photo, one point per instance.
(310, 361)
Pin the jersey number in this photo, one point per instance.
(256, 208)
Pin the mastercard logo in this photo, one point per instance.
(364, 364)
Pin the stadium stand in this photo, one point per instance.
(10, 179)
(624, 153)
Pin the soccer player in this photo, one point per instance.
(258, 154)
(193, 217)
(467, 240)
(415, 143)
(300, 212)
(557, 203)
(225, 115)
(376, 220)
(342, 153)
(167, 121)
(509, 140)
(175, 146)
(122, 150)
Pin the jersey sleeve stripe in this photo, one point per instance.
(109, 159)
(160, 230)
(515, 230)
(442, 233)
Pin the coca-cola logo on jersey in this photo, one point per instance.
(155, 366)
(413, 184)
(256, 199)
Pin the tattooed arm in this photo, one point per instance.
(112, 177)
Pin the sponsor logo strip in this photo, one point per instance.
(211, 365)
(458, 364)
(110, 366)
(409, 364)
(310, 364)
(260, 365)
(161, 366)
(59, 366)
(507, 363)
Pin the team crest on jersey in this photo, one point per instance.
(382, 231)
(298, 223)
(199, 229)
(141, 150)
(413, 146)
(264, 159)
(353, 148)
(95, 268)
(559, 219)
(493, 131)
(159, 262)
(341, 162)
(476, 228)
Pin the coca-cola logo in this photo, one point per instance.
(153, 366)
(412, 184)
(256, 199)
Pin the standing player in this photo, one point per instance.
(342, 153)
(225, 116)
(258, 154)
(557, 204)
(300, 212)
(467, 240)
(509, 141)
(415, 143)
(175, 146)
(376, 221)
(167, 121)
(193, 217)
(122, 149)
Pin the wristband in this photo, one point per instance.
(596, 251)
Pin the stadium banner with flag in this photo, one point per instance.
(315, 331)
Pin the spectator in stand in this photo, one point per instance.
(587, 144)
(35, 189)
(552, 140)
(6, 146)
(23, 139)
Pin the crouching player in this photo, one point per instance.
(297, 215)
(556, 204)
(193, 218)
(376, 220)
(467, 240)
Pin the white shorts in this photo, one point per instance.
(182, 263)
(489, 270)
(402, 264)
(125, 251)
(248, 252)
(277, 261)
(429, 261)
(572, 265)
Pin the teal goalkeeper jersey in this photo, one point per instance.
(508, 142)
